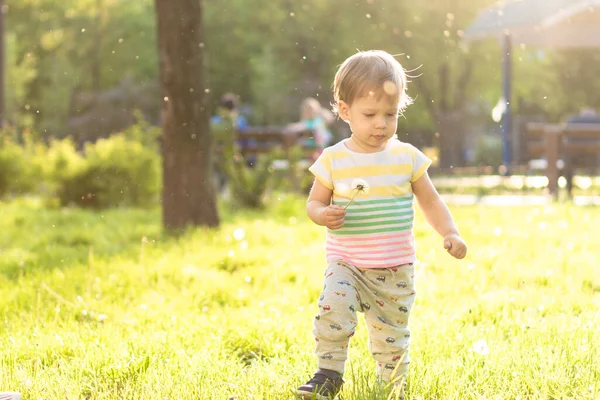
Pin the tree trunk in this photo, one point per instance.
(188, 194)
(2, 61)
(449, 117)
(96, 49)
(452, 138)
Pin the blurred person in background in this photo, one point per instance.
(317, 119)
(225, 126)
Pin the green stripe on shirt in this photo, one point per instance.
(390, 229)
(367, 224)
(372, 216)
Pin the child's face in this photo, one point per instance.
(373, 119)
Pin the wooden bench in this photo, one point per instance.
(263, 139)
(568, 146)
(258, 140)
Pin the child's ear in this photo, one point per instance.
(343, 110)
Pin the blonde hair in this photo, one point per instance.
(311, 108)
(372, 71)
(312, 105)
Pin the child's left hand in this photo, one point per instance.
(455, 246)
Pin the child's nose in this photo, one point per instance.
(381, 123)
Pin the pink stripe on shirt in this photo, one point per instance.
(357, 252)
(333, 244)
(369, 237)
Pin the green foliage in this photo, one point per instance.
(60, 163)
(144, 133)
(117, 172)
(273, 53)
(488, 151)
(19, 171)
(247, 183)
(11, 166)
(123, 170)
(63, 47)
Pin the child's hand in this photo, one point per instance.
(333, 217)
(455, 246)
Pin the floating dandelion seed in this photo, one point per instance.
(358, 186)
(481, 347)
(390, 88)
(239, 234)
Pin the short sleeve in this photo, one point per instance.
(321, 169)
(420, 164)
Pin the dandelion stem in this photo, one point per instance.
(353, 196)
(358, 189)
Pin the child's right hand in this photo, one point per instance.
(333, 216)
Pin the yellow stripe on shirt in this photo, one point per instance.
(385, 191)
(372, 170)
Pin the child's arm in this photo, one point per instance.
(320, 210)
(439, 217)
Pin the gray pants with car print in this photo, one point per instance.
(385, 296)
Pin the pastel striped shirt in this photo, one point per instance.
(378, 228)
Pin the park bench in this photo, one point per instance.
(567, 147)
(264, 139)
(257, 140)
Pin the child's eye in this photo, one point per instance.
(391, 115)
(369, 115)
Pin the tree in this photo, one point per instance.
(2, 9)
(188, 194)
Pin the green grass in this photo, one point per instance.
(91, 310)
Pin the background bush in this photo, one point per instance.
(122, 170)
(20, 167)
(117, 172)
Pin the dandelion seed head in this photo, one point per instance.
(361, 186)
(343, 190)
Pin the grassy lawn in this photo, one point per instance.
(104, 306)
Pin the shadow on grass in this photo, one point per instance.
(35, 238)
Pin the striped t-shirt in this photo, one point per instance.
(378, 227)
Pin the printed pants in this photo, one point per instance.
(385, 296)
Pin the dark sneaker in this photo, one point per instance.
(324, 385)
